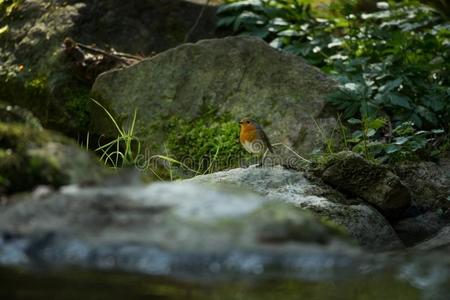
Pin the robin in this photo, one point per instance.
(253, 138)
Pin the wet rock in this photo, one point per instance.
(38, 77)
(365, 224)
(31, 156)
(232, 77)
(351, 174)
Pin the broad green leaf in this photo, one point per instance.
(371, 132)
(391, 148)
(401, 140)
(226, 21)
(354, 121)
(390, 85)
(357, 134)
(438, 131)
(289, 33)
(400, 100)
(376, 123)
(426, 114)
(237, 6)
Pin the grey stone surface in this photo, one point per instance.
(366, 225)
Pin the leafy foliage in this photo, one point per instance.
(404, 142)
(392, 64)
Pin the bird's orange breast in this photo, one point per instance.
(248, 134)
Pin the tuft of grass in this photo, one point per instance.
(126, 151)
(125, 148)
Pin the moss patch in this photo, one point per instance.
(207, 143)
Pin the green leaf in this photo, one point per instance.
(237, 6)
(246, 19)
(390, 85)
(401, 140)
(226, 21)
(426, 114)
(376, 123)
(438, 131)
(354, 121)
(400, 100)
(371, 132)
(391, 148)
(357, 134)
(289, 33)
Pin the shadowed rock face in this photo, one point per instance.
(236, 77)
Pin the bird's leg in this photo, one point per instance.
(262, 159)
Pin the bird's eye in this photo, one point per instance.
(248, 122)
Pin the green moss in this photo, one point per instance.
(205, 141)
(38, 84)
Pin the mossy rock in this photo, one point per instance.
(236, 77)
(30, 157)
(357, 177)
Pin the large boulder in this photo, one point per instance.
(30, 156)
(35, 73)
(229, 78)
(364, 223)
